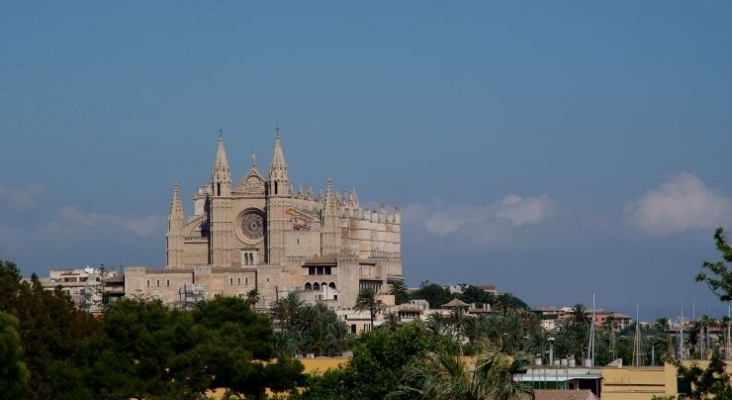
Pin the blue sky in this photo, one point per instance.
(553, 149)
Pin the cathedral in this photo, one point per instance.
(261, 234)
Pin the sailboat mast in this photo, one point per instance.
(681, 333)
(592, 333)
(637, 343)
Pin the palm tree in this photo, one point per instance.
(436, 324)
(507, 302)
(399, 291)
(457, 320)
(446, 376)
(392, 321)
(579, 314)
(283, 309)
(473, 328)
(367, 301)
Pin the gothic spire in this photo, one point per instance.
(176, 206)
(330, 199)
(220, 174)
(278, 169)
(174, 236)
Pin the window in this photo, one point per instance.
(238, 281)
(157, 282)
(246, 281)
(308, 286)
(167, 282)
(231, 281)
(148, 283)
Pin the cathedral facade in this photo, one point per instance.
(261, 234)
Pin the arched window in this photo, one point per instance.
(316, 286)
(157, 282)
(167, 282)
(332, 285)
(246, 281)
(308, 286)
(238, 281)
(148, 283)
(231, 281)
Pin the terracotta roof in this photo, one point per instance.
(547, 394)
(486, 287)
(455, 303)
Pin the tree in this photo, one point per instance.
(13, 373)
(457, 319)
(380, 358)
(318, 330)
(473, 294)
(712, 382)
(716, 274)
(392, 321)
(579, 314)
(435, 294)
(399, 291)
(283, 309)
(446, 376)
(507, 302)
(367, 301)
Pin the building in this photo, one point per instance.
(90, 289)
(262, 234)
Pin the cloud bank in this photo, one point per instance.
(22, 198)
(70, 217)
(682, 202)
(441, 220)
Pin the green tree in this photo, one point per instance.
(713, 381)
(283, 309)
(716, 274)
(367, 301)
(13, 373)
(473, 294)
(318, 330)
(446, 376)
(399, 290)
(380, 358)
(507, 302)
(391, 321)
(435, 294)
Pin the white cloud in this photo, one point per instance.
(72, 218)
(520, 211)
(22, 198)
(680, 203)
(442, 220)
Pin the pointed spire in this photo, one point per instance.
(330, 198)
(174, 236)
(220, 174)
(176, 206)
(278, 175)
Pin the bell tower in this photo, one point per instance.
(219, 216)
(278, 189)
